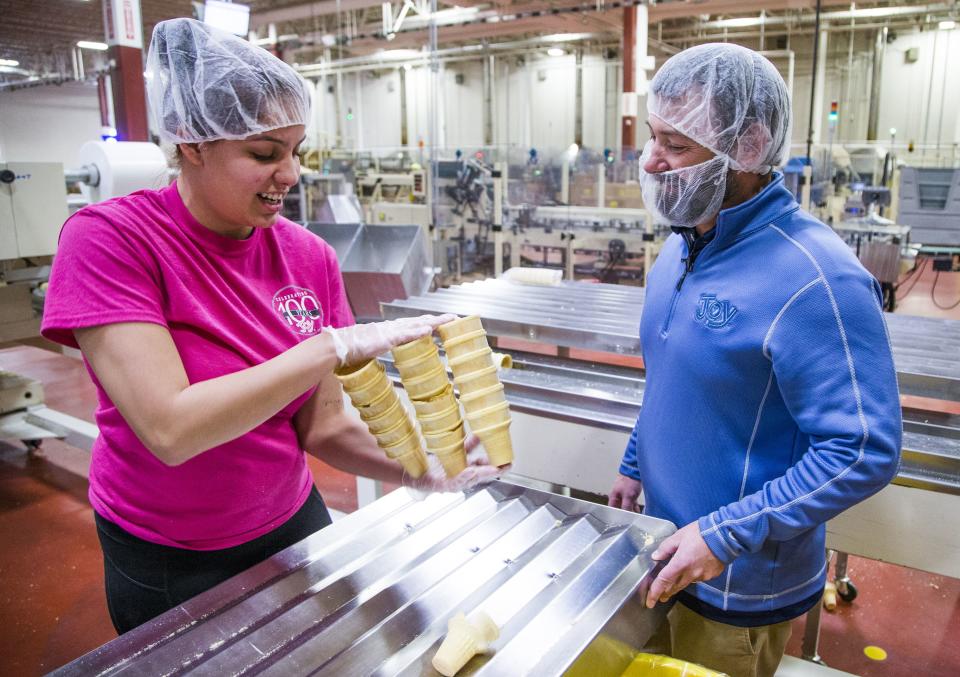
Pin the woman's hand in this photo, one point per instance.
(478, 471)
(363, 342)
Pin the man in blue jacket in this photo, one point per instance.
(771, 400)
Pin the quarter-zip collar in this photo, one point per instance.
(763, 208)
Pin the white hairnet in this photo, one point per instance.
(206, 84)
(726, 98)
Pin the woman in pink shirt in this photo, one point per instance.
(211, 327)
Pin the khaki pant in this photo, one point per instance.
(736, 651)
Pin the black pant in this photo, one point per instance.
(145, 579)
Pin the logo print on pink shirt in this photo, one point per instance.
(300, 308)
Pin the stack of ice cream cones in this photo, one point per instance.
(481, 392)
(381, 409)
(425, 380)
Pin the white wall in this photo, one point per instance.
(462, 123)
(594, 110)
(49, 123)
(912, 95)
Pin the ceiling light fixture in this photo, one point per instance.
(947, 25)
(9, 62)
(555, 51)
(86, 44)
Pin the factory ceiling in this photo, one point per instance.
(41, 35)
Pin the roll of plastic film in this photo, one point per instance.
(123, 167)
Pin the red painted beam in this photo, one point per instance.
(129, 96)
(629, 122)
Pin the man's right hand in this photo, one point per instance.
(625, 493)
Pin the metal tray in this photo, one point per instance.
(372, 594)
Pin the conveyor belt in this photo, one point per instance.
(606, 317)
(372, 594)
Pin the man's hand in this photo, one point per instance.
(625, 493)
(691, 560)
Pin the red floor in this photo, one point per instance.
(52, 608)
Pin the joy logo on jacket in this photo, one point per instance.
(714, 313)
(300, 308)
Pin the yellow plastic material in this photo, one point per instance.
(655, 665)
(460, 326)
(875, 653)
(603, 657)
(465, 639)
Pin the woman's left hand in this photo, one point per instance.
(478, 471)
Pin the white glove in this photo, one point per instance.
(478, 471)
(363, 342)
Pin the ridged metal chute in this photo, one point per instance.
(372, 594)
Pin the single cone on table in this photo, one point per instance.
(465, 639)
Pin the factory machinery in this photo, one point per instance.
(490, 217)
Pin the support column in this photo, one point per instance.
(124, 32)
(818, 105)
(636, 63)
(628, 105)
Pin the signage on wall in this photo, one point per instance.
(122, 23)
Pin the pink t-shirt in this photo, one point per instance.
(229, 305)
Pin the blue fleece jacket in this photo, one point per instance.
(771, 400)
